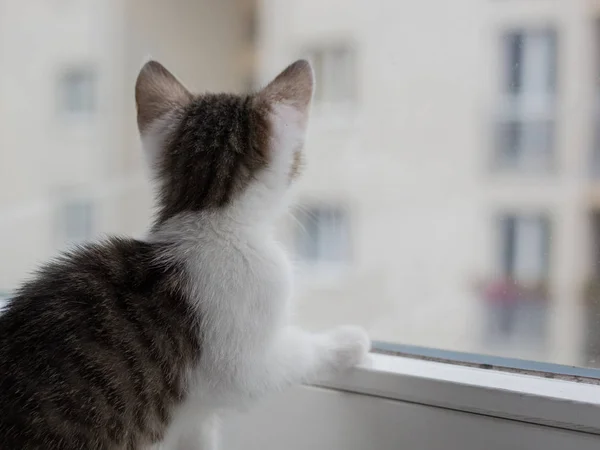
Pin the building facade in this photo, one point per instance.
(459, 147)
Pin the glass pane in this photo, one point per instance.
(77, 221)
(514, 64)
(76, 91)
(419, 239)
(322, 235)
(538, 59)
(530, 61)
(525, 145)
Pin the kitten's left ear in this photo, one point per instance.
(157, 92)
(292, 88)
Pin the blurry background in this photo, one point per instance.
(452, 194)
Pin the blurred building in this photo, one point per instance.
(452, 192)
(448, 152)
(70, 162)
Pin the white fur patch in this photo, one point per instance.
(153, 139)
(289, 131)
(240, 284)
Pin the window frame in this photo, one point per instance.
(565, 398)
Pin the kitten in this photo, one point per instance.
(129, 344)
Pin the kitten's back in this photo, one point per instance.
(94, 350)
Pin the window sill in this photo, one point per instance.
(559, 403)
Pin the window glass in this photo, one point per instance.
(77, 91)
(322, 235)
(335, 70)
(76, 219)
(530, 62)
(450, 197)
(526, 129)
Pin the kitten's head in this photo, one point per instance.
(235, 154)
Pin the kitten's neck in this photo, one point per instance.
(201, 227)
(252, 214)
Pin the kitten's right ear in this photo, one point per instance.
(157, 92)
(289, 97)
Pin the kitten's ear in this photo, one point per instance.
(292, 87)
(157, 92)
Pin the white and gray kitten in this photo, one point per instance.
(135, 344)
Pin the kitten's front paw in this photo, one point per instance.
(350, 344)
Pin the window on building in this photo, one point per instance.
(335, 71)
(517, 300)
(77, 91)
(530, 62)
(323, 235)
(76, 220)
(525, 144)
(526, 128)
(524, 247)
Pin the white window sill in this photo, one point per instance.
(395, 402)
(559, 403)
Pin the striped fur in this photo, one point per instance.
(94, 349)
(220, 142)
